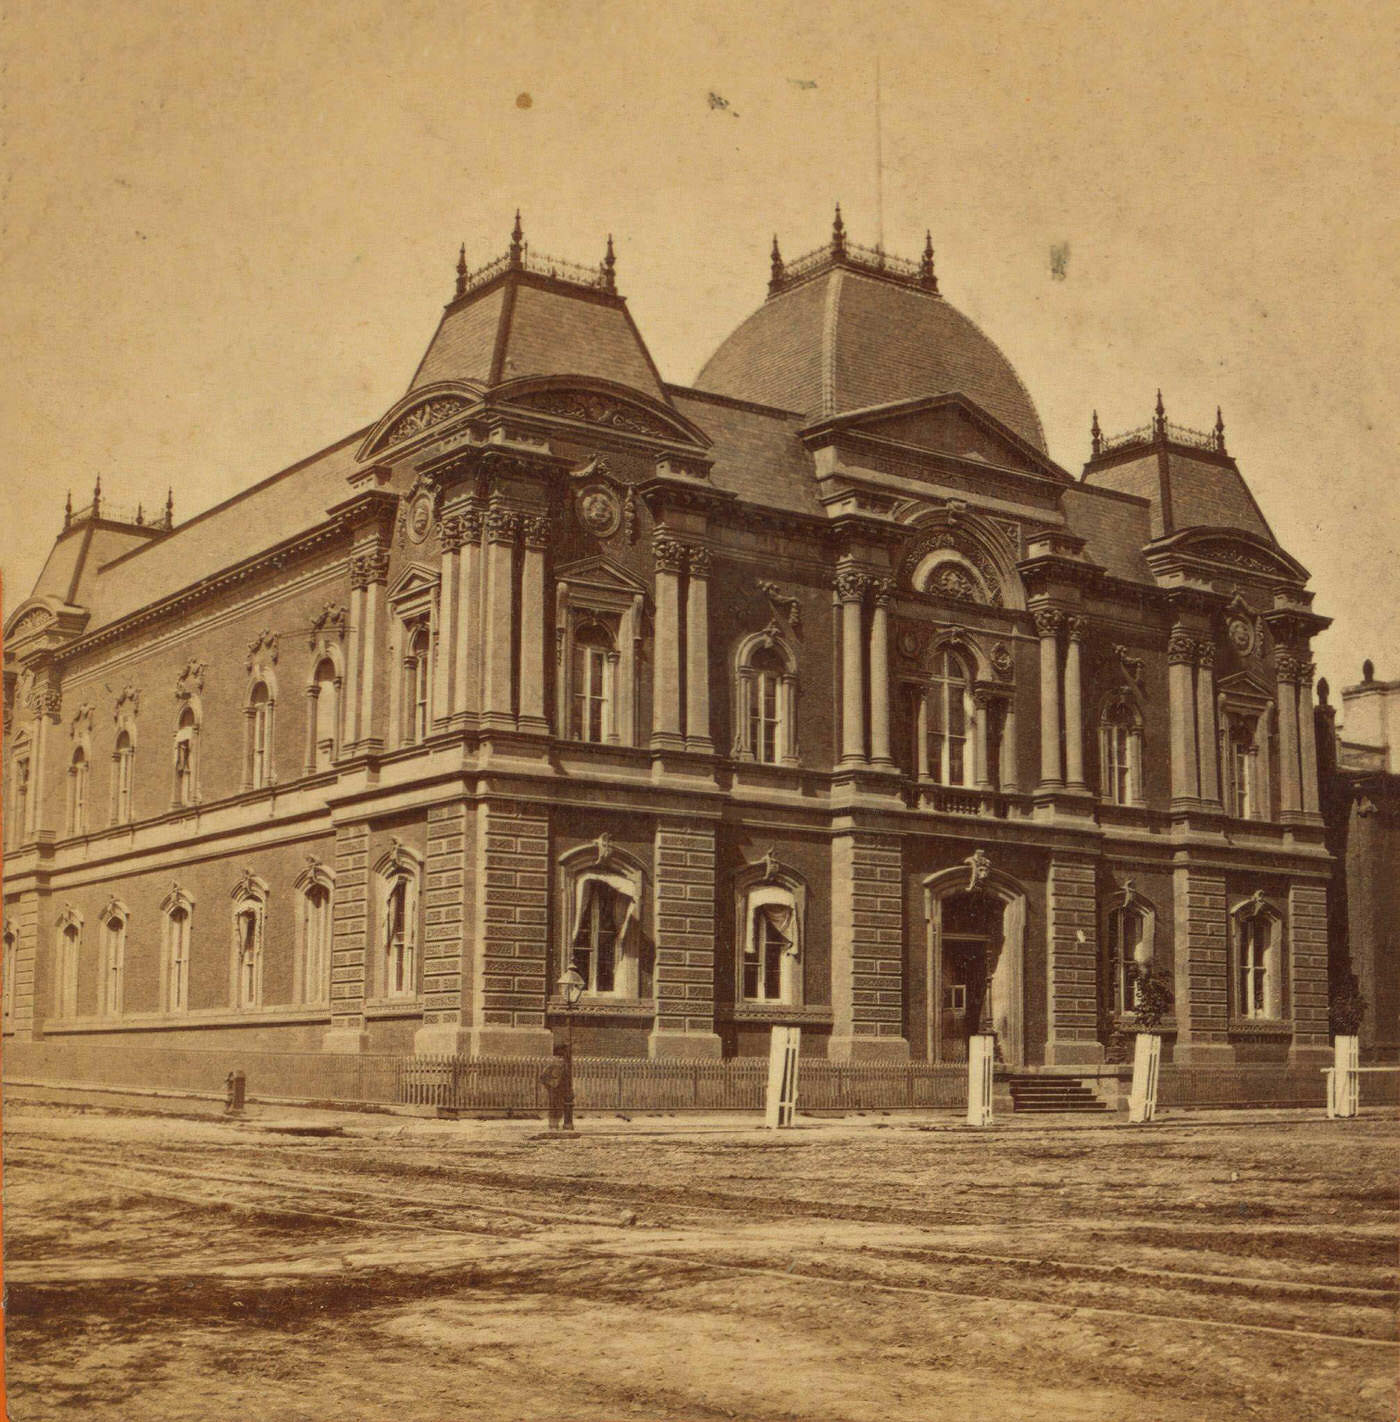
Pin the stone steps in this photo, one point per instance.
(1053, 1093)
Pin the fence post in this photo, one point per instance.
(980, 1050)
(1344, 1080)
(1142, 1098)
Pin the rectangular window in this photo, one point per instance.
(594, 951)
(1253, 967)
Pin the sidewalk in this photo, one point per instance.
(388, 1121)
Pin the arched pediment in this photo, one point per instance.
(42, 622)
(958, 555)
(600, 402)
(417, 413)
(1230, 549)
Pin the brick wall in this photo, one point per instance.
(351, 929)
(1202, 960)
(1073, 979)
(1307, 957)
(443, 926)
(685, 931)
(513, 875)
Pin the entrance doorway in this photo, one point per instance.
(969, 942)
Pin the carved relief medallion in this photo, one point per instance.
(599, 510)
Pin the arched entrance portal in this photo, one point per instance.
(976, 946)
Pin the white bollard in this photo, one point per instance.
(781, 1101)
(1344, 1080)
(1147, 1060)
(981, 1054)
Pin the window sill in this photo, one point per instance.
(1261, 1027)
(297, 1012)
(785, 1014)
(383, 1008)
(631, 1007)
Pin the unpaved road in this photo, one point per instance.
(160, 1268)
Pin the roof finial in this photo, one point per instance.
(926, 274)
(610, 267)
(97, 497)
(838, 235)
(170, 508)
(1159, 423)
(1096, 435)
(68, 509)
(461, 272)
(777, 272)
(517, 241)
(1219, 430)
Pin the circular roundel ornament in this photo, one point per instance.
(599, 511)
(420, 517)
(1241, 634)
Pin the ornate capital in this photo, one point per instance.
(452, 533)
(44, 701)
(535, 530)
(669, 553)
(1181, 648)
(1288, 667)
(881, 590)
(850, 587)
(1205, 654)
(1307, 672)
(370, 567)
(502, 524)
(472, 521)
(985, 696)
(1077, 626)
(1048, 621)
(701, 562)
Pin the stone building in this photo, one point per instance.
(1361, 805)
(815, 692)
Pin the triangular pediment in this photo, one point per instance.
(1245, 686)
(413, 581)
(601, 573)
(948, 425)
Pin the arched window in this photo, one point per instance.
(765, 701)
(249, 931)
(187, 757)
(78, 792)
(178, 910)
(592, 680)
(259, 764)
(770, 904)
(111, 988)
(1258, 960)
(312, 982)
(7, 977)
(325, 715)
(400, 876)
(70, 947)
(418, 682)
(941, 727)
(123, 768)
(1120, 752)
(1129, 955)
(602, 937)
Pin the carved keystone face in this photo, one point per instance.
(1241, 635)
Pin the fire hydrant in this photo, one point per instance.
(235, 1092)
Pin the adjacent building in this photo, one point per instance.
(814, 692)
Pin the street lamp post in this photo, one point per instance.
(571, 987)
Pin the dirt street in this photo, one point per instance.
(161, 1268)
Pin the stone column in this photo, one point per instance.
(880, 675)
(532, 639)
(1181, 698)
(921, 731)
(1009, 782)
(502, 524)
(350, 699)
(1289, 755)
(371, 572)
(670, 558)
(850, 588)
(1074, 709)
(981, 763)
(697, 654)
(1047, 625)
(466, 692)
(1307, 738)
(1207, 737)
(447, 616)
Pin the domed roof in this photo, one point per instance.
(848, 334)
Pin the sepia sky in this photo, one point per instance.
(230, 228)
